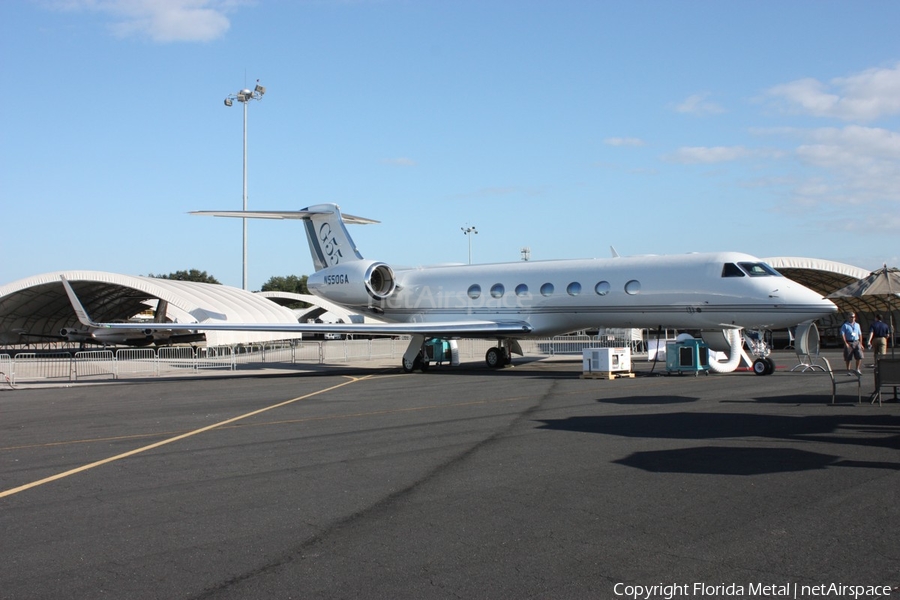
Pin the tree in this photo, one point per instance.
(192, 275)
(291, 283)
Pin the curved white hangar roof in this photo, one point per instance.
(825, 277)
(38, 305)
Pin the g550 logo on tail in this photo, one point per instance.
(330, 246)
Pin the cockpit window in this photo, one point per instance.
(731, 270)
(759, 269)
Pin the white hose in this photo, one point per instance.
(733, 337)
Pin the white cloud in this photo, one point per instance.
(846, 167)
(697, 104)
(618, 141)
(865, 96)
(162, 20)
(864, 162)
(692, 155)
(399, 162)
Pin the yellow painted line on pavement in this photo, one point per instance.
(99, 463)
(373, 413)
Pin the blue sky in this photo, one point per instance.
(771, 128)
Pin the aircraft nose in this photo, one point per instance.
(823, 306)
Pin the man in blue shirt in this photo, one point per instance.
(879, 332)
(852, 335)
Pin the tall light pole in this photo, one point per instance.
(244, 97)
(468, 231)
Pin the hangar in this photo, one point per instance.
(37, 307)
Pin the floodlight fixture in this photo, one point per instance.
(468, 231)
(244, 97)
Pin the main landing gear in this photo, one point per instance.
(497, 358)
(419, 363)
(416, 358)
(501, 355)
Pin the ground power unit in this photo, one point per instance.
(606, 363)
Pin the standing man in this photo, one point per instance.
(879, 332)
(852, 335)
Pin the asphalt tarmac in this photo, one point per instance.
(461, 482)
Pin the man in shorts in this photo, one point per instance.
(851, 334)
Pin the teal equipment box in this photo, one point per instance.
(688, 356)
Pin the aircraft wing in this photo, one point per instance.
(473, 328)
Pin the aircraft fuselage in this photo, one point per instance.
(691, 291)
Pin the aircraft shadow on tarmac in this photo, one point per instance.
(720, 460)
(864, 430)
(796, 399)
(647, 400)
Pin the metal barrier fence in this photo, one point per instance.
(137, 361)
(94, 363)
(7, 372)
(175, 360)
(42, 365)
(217, 357)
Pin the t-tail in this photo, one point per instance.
(342, 275)
(330, 243)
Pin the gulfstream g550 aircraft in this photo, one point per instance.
(510, 301)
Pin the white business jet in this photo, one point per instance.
(510, 301)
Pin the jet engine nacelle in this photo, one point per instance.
(136, 336)
(355, 283)
(75, 335)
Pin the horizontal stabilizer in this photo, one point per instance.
(281, 214)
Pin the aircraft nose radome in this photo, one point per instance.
(815, 299)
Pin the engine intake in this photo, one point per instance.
(355, 283)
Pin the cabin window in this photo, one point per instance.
(474, 291)
(573, 288)
(521, 290)
(633, 287)
(731, 270)
(497, 290)
(547, 289)
(759, 269)
(602, 288)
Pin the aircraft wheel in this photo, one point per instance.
(424, 364)
(771, 364)
(760, 367)
(494, 358)
(408, 367)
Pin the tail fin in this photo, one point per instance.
(329, 242)
(76, 304)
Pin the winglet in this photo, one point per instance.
(76, 304)
(614, 253)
